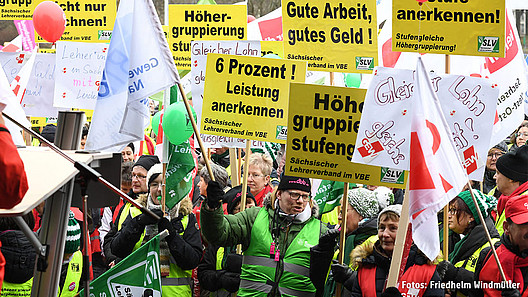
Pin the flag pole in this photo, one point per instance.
(244, 184)
(503, 276)
(399, 246)
(446, 208)
(165, 153)
(342, 235)
(195, 128)
(234, 168)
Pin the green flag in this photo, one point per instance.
(137, 275)
(328, 195)
(206, 2)
(179, 173)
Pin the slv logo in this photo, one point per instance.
(104, 35)
(281, 133)
(370, 149)
(487, 44)
(364, 63)
(393, 176)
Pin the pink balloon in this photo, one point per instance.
(49, 20)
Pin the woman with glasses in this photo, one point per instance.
(259, 170)
(489, 185)
(463, 219)
(519, 138)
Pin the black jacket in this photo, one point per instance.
(227, 278)
(20, 256)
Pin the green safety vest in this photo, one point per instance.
(73, 276)
(258, 269)
(133, 211)
(17, 290)
(179, 281)
(502, 217)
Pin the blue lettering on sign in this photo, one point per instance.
(153, 63)
(135, 86)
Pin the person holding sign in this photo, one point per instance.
(464, 219)
(373, 262)
(275, 238)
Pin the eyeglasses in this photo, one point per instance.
(525, 135)
(296, 196)
(496, 155)
(254, 176)
(138, 176)
(452, 211)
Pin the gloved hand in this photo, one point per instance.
(341, 272)
(215, 194)
(233, 263)
(510, 293)
(391, 292)
(145, 219)
(230, 281)
(164, 223)
(329, 240)
(446, 271)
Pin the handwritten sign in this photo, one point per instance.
(80, 68)
(468, 104)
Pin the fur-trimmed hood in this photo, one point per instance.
(269, 201)
(184, 207)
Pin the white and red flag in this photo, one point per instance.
(20, 82)
(436, 174)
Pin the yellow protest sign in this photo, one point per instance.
(38, 121)
(47, 50)
(331, 35)
(463, 27)
(272, 47)
(323, 122)
(203, 22)
(86, 20)
(247, 97)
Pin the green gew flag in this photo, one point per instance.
(179, 173)
(328, 195)
(137, 275)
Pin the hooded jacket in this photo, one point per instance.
(186, 249)
(19, 255)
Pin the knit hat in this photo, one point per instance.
(233, 197)
(385, 197)
(73, 235)
(485, 203)
(147, 161)
(514, 165)
(48, 132)
(395, 208)
(154, 172)
(364, 202)
(502, 146)
(295, 183)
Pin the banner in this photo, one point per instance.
(138, 275)
(331, 35)
(323, 123)
(203, 22)
(268, 27)
(86, 20)
(27, 31)
(474, 28)
(328, 195)
(468, 104)
(81, 69)
(133, 71)
(199, 51)
(247, 97)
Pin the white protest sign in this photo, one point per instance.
(38, 99)
(80, 69)
(199, 51)
(509, 73)
(468, 104)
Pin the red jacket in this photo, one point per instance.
(12, 174)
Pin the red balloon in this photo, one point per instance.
(49, 21)
(250, 18)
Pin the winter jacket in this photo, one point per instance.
(372, 255)
(19, 255)
(215, 274)
(489, 182)
(229, 230)
(186, 250)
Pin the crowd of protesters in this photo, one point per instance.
(280, 244)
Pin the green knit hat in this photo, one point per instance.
(485, 202)
(364, 202)
(73, 235)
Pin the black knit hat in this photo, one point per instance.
(514, 165)
(233, 197)
(48, 132)
(295, 183)
(147, 161)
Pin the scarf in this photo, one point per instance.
(150, 232)
(296, 218)
(503, 198)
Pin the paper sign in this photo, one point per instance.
(203, 22)
(322, 128)
(468, 104)
(331, 35)
(272, 47)
(27, 31)
(199, 51)
(247, 97)
(466, 27)
(86, 20)
(80, 69)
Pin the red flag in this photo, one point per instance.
(436, 173)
